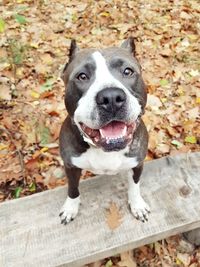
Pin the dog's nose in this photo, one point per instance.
(111, 99)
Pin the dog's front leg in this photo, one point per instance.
(70, 208)
(139, 207)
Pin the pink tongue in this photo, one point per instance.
(113, 130)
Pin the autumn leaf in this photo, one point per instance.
(109, 264)
(183, 258)
(113, 216)
(20, 19)
(177, 143)
(35, 94)
(191, 139)
(17, 192)
(127, 259)
(2, 25)
(45, 135)
(164, 82)
(32, 187)
(47, 85)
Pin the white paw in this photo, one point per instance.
(139, 208)
(69, 210)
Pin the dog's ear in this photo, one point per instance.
(129, 44)
(72, 51)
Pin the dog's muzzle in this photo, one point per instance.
(116, 132)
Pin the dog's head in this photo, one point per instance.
(105, 94)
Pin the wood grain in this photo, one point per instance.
(31, 234)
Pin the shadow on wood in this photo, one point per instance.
(193, 236)
(31, 233)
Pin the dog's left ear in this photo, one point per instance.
(129, 45)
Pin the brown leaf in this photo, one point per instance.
(32, 164)
(193, 113)
(113, 216)
(163, 148)
(184, 258)
(153, 102)
(127, 259)
(5, 92)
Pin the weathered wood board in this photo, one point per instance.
(31, 234)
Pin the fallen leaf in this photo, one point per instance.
(2, 25)
(5, 89)
(47, 59)
(194, 73)
(20, 19)
(163, 148)
(198, 100)
(17, 192)
(113, 216)
(44, 135)
(191, 139)
(47, 85)
(153, 101)
(164, 82)
(193, 113)
(39, 152)
(127, 260)
(32, 187)
(31, 164)
(109, 264)
(183, 258)
(35, 94)
(176, 143)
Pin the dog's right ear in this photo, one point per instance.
(72, 51)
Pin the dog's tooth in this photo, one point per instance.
(107, 140)
(101, 133)
(124, 131)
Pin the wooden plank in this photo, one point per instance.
(31, 233)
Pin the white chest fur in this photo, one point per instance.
(100, 162)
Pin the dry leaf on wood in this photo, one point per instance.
(113, 216)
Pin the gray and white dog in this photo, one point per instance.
(103, 132)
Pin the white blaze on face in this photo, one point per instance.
(87, 111)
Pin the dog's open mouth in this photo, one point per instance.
(111, 137)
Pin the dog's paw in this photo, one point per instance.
(69, 210)
(140, 209)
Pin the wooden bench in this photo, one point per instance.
(31, 234)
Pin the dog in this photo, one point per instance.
(105, 97)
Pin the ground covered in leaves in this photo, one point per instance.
(35, 36)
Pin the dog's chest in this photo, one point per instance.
(100, 162)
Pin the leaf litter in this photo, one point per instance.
(32, 55)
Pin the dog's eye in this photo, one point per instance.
(82, 77)
(128, 72)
